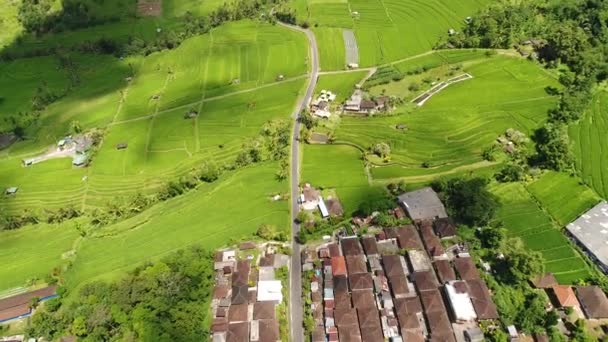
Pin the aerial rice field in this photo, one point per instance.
(563, 196)
(162, 144)
(589, 137)
(342, 84)
(388, 30)
(466, 118)
(523, 218)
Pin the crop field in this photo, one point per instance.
(339, 167)
(333, 58)
(564, 197)
(33, 252)
(232, 207)
(590, 140)
(390, 30)
(342, 84)
(453, 128)
(522, 217)
(162, 144)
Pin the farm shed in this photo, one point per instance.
(121, 146)
(79, 160)
(423, 204)
(11, 191)
(18, 306)
(590, 231)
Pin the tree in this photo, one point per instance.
(79, 327)
(522, 263)
(510, 173)
(34, 302)
(469, 201)
(553, 147)
(381, 150)
(580, 334)
(492, 238)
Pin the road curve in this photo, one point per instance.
(295, 280)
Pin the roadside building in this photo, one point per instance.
(309, 199)
(270, 290)
(423, 204)
(593, 301)
(590, 231)
(338, 266)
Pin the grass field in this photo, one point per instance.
(333, 58)
(453, 128)
(31, 253)
(342, 84)
(522, 217)
(231, 208)
(162, 144)
(564, 197)
(590, 140)
(386, 30)
(339, 167)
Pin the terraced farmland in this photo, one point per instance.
(590, 140)
(388, 30)
(162, 145)
(522, 217)
(453, 128)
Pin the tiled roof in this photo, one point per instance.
(351, 246)
(361, 281)
(466, 268)
(593, 301)
(356, 264)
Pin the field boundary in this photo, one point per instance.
(422, 98)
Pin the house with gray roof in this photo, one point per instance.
(423, 204)
(591, 231)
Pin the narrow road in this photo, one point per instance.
(295, 280)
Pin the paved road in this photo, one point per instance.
(295, 300)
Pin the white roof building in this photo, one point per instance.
(323, 208)
(270, 290)
(460, 301)
(591, 230)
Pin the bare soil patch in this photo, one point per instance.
(149, 8)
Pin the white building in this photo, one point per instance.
(270, 290)
(460, 301)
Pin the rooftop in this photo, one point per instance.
(238, 332)
(338, 266)
(591, 229)
(423, 204)
(565, 295)
(351, 246)
(593, 301)
(361, 281)
(369, 245)
(393, 265)
(270, 290)
(445, 228)
(481, 299)
(445, 271)
(408, 237)
(466, 268)
(544, 281)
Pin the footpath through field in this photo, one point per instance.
(295, 280)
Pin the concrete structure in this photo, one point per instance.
(423, 204)
(460, 301)
(309, 199)
(270, 290)
(591, 231)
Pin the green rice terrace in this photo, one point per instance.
(130, 130)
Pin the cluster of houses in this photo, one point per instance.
(358, 104)
(70, 146)
(311, 199)
(320, 107)
(246, 294)
(586, 302)
(398, 284)
(20, 305)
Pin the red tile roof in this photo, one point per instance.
(565, 296)
(338, 266)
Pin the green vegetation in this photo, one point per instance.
(521, 215)
(163, 301)
(563, 196)
(468, 200)
(589, 137)
(333, 58)
(342, 84)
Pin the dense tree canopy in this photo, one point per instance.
(164, 301)
(468, 200)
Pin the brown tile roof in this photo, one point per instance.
(340, 284)
(593, 301)
(338, 266)
(349, 333)
(481, 299)
(544, 281)
(269, 330)
(356, 264)
(311, 194)
(466, 268)
(351, 246)
(408, 305)
(541, 338)
(343, 300)
(432, 301)
(408, 237)
(238, 312)
(264, 310)
(369, 245)
(363, 299)
(369, 322)
(390, 233)
(26, 298)
(361, 281)
(445, 271)
(238, 332)
(565, 295)
(445, 227)
(219, 325)
(334, 250)
(221, 291)
(425, 280)
(14, 312)
(393, 265)
(346, 316)
(412, 335)
(367, 105)
(439, 324)
(246, 245)
(267, 261)
(239, 294)
(431, 241)
(318, 335)
(398, 285)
